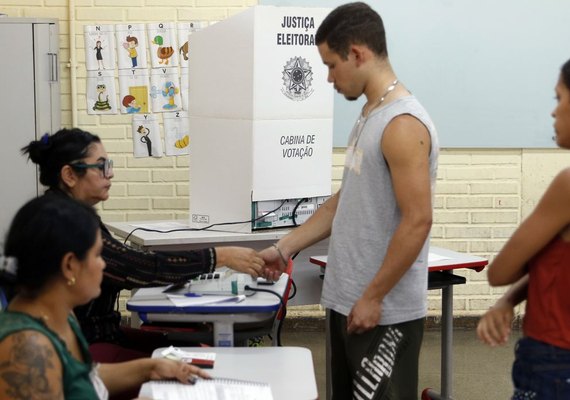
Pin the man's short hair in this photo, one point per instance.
(353, 23)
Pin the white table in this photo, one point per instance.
(185, 238)
(307, 280)
(153, 306)
(288, 370)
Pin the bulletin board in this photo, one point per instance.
(484, 69)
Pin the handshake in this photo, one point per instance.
(275, 262)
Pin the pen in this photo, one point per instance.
(192, 295)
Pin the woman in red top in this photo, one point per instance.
(536, 260)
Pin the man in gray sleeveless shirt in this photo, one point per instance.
(375, 287)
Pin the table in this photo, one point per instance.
(260, 309)
(441, 263)
(288, 370)
(307, 280)
(185, 238)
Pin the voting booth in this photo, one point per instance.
(261, 114)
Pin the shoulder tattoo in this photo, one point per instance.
(30, 368)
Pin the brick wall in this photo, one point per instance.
(143, 188)
(481, 195)
(477, 206)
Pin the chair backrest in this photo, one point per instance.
(277, 322)
(3, 300)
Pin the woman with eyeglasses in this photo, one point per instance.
(73, 162)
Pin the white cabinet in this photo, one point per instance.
(29, 105)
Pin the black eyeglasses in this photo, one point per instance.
(105, 166)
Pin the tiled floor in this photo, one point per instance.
(479, 372)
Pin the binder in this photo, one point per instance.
(211, 389)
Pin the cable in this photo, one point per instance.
(294, 212)
(283, 308)
(256, 289)
(204, 228)
(294, 287)
(279, 326)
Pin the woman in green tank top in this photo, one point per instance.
(52, 259)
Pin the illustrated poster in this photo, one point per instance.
(134, 91)
(101, 93)
(146, 136)
(184, 90)
(162, 44)
(99, 47)
(185, 29)
(176, 133)
(131, 46)
(165, 90)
